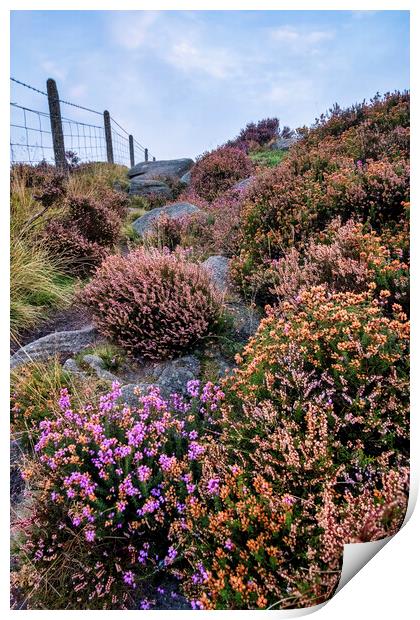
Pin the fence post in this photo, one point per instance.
(131, 146)
(154, 158)
(56, 126)
(146, 154)
(108, 137)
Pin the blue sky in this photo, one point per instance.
(185, 81)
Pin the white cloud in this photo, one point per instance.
(217, 63)
(300, 40)
(132, 30)
(53, 70)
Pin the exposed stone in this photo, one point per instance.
(218, 268)
(145, 187)
(17, 483)
(186, 178)
(128, 395)
(55, 343)
(245, 319)
(70, 365)
(169, 376)
(173, 168)
(98, 366)
(144, 223)
(283, 144)
(176, 373)
(243, 184)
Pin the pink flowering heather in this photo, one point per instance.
(117, 478)
(152, 303)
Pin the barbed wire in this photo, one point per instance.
(86, 139)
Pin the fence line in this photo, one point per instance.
(37, 136)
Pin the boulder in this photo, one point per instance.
(71, 366)
(170, 376)
(283, 144)
(145, 187)
(128, 393)
(98, 366)
(245, 319)
(144, 223)
(243, 184)
(176, 373)
(55, 343)
(186, 178)
(218, 268)
(173, 168)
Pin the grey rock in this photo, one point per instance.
(98, 366)
(176, 373)
(243, 184)
(55, 343)
(245, 319)
(146, 187)
(70, 365)
(17, 483)
(283, 144)
(173, 168)
(144, 223)
(169, 376)
(186, 178)
(128, 395)
(218, 268)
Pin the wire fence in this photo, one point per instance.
(46, 134)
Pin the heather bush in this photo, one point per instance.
(108, 482)
(80, 254)
(345, 258)
(216, 172)
(284, 209)
(95, 221)
(312, 454)
(152, 303)
(260, 133)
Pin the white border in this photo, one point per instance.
(388, 585)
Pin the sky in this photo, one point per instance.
(183, 82)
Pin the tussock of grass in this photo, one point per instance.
(98, 174)
(267, 158)
(37, 283)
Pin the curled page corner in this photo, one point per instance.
(357, 555)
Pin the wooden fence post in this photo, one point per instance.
(146, 154)
(108, 137)
(154, 158)
(56, 126)
(131, 146)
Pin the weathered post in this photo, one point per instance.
(56, 126)
(108, 137)
(146, 154)
(154, 158)
(131, 146)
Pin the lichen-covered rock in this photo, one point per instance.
(71, 366)
(186, 178)
(145, 187)
(173, 168)
(53, 344)
(98, 366)
(218, 268)
(144, 224)
(243, 184)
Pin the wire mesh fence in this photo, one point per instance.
(44, 134)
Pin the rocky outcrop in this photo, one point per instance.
(53, 344)
(172, 168)
(283, 144)
(243, 184)
(145, 187)
(144, 224)
(186, 178)
(218, 268)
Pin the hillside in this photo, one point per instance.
(210, 371)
